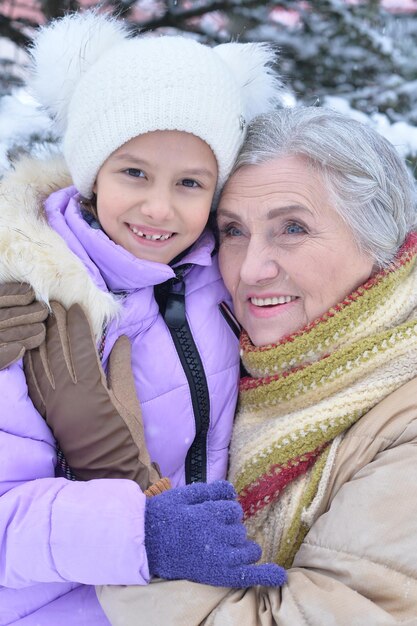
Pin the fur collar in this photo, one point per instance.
(31, 251)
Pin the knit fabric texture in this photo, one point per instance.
(103, 87)
(196, 532)
(306, 391)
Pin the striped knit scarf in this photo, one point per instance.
(306, 391)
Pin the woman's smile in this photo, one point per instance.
(270, 306)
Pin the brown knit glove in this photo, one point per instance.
(96, 421)
(21, 318)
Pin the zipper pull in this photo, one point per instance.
(174, 314)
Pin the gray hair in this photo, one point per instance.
(367, 179)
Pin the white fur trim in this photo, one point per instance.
(31, 251)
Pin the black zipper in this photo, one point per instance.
(171, 301)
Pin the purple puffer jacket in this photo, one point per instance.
(60, 538)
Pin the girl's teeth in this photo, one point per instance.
(139, 233)
(272, 301)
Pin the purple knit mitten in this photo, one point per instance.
(196, 533)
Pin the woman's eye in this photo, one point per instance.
(294, 229)
(230, 231)
(132, 171)
(189, 182)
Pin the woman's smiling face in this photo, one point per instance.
(286, 255)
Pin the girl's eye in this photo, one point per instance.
(189, 182)
(132, 171)
(294, 229)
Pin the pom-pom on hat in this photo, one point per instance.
(104, 87)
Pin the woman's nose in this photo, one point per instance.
(259, 265)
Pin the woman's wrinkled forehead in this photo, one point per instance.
(274, 186)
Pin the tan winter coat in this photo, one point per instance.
(356, 567)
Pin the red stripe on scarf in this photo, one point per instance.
(269, 486)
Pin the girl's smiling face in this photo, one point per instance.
(286, 255)
(154, 194)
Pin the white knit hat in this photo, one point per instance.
(104, 87)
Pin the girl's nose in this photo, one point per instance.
(157, 206)
(260, 265)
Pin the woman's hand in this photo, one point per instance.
(196, 532)
(21, 322)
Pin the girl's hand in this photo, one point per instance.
(196, 532)
(96, 419)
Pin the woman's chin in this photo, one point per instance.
(261, 336)
(270, 325)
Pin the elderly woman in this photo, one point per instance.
(318, 251)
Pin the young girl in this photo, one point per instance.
(151, 127)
